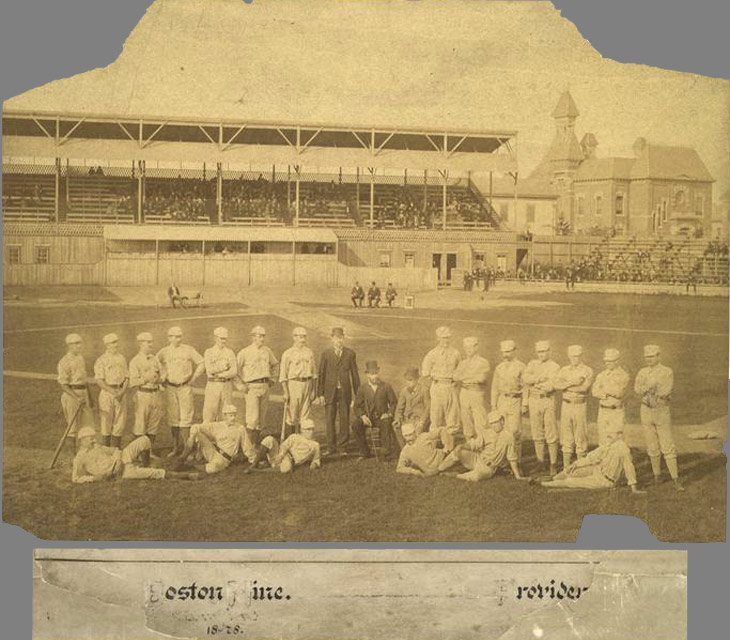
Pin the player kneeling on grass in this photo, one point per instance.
(218, 442)
(419, 456)
(602, 468)
(95, 462)
(486, 452)
(296, 450)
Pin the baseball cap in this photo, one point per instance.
(174, 331)
(470, 341)
(542, 345)
(307, 424)
(220, 332)
(145, 336)
(407, 428)
(110, 338)
(258, 330)
(85, 432)
(73, 338)
(611, 355)
(652, 350)
(229, 408)
(443, 332)
(494, 416)
(575, 350)
(507, 345)
(299, 331)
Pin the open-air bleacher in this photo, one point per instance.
(29, 196)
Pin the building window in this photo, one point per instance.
(410, 259)
(599, 205)
(619, 204)
(699, 204)
(42, 254)
(478, 259)
(385, 258)
(580, 207)
(530, 213)
(14, 254)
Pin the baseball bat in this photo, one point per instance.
(57, 452)
(283, 422)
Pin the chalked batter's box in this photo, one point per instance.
(359, 595)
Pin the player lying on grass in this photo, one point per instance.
(95, 462)
(420, 456)
(486, 452)
(217, 442)
(602, 468)
(296, 450)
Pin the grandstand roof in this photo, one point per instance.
(669, 163)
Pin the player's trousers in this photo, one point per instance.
(388, 442)
(214, 458)
(257, 404)
(149, 410)
(69, 406)
(444, 405)
(299, 406)
(112, 414)
(337, 413)
(130, 458)
(474, 461)
(217, 394)
(286, 464)
(574, 428)
(610, 420)
(473, 408)
(180, 405)
(543, 423)
(511, 408)
(657, 424)
(582, 478)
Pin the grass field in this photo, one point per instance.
(350, 501)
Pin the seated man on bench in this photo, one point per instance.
(175, 296)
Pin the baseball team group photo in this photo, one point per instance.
(252, 297)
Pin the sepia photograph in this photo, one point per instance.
(369, 594)
(374, 271)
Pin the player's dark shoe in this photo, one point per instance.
(679, 486)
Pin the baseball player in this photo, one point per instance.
(471, 376)
(94, 462)
(74, 385)
(221, 369)
(218, 442)
(181, 366)
(507, 389)
(487, 452)
(298, 377)
(258, 369)
(439, 366)
(145, 373)
(414, 404)
(296, 450)
(419, 455)
(610, 389)
(574, 380)
(540, 396)
(602, 468)
(112, 376)
(654, 384)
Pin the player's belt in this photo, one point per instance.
(443, 380)
(473, 385)
(78, 387)
(115, 386)
(257, 381)
(609, 406)
(512, 395)
(302, 379)
(660, 402)
(148, 389)
(218, 380)
(542, 394)
(574, 400)
(176, 384)
(223, 453)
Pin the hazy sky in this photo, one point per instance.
(461, 64)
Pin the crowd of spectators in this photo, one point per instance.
(258, 198)
(180, 199)
(25, 197)
(328, 198)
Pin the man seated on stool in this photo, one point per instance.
(218, 442)
(602, 468)
(296, 450)
(419, 456)
(95, 462)
(486, 452)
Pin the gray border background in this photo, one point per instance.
(43, 40)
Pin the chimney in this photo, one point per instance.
(639, 146)
(589, 144)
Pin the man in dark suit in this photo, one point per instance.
(375, 403)
(337, 381)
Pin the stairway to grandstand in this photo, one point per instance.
(29, 196)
